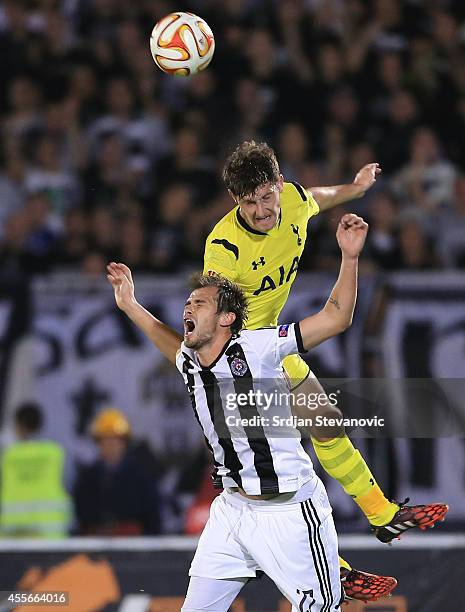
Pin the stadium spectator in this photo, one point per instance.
(33, 500)
(187, 165)
(329, 75)
(383, 242)
(42, 234)
(103, 232)
(13, 255)
(169, 244)
(105, 175)
(48, 173)
(11, 189)
(427, 179)
(452, 223)
(24, 117)
(83, 92)
(115, 495)
(73, 244)
(416, 249)
(327, 249)
(344, 113)
(359, 155)
(203, 96)
(293, 149)
(133, 245)
(395, 130)
(93, 264)
(248, 118)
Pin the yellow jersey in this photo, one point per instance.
(264, 265)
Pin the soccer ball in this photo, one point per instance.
(182, 44)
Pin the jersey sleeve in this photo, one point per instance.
(288, 339)
(221, 257)
(179, 359)
(279, 342)
(313, 208)
(307, 197)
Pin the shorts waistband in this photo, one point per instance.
(282, 501)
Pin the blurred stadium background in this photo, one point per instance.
(105, 158)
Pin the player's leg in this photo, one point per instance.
(341, 460)
(295, 544)
(221, 565)
(336, 453)
(302, 381)
(212, 595)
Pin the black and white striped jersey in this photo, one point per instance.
(249, 450)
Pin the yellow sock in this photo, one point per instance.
(343, 462)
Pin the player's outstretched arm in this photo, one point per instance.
(167, 340)
(328, 197)
(337, 313)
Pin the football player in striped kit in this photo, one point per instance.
(273, 515)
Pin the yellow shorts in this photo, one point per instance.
(296, 369)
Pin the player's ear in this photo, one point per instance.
(280, 183)
(236, 200)
(227, 319)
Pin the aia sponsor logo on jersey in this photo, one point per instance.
(238, 367)
(269, 283)
(283, 330)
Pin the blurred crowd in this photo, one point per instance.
(104, 157)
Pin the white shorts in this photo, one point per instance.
(294, 542)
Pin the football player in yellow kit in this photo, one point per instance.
(258, 244)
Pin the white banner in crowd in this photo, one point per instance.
(424, 337)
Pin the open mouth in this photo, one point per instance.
(189, 326)
(263, 219)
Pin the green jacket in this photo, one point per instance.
(33, 501)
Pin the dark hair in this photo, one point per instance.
(250, 166)
(29, 417)
(231, 298)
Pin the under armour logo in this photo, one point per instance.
(295, 229)
(260, 262)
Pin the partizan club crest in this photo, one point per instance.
(238, 367)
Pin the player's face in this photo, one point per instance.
(261, 209)
(112, 449)
(201, 319)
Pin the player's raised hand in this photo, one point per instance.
(120, 277)
(366, 177)
(351, 234)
